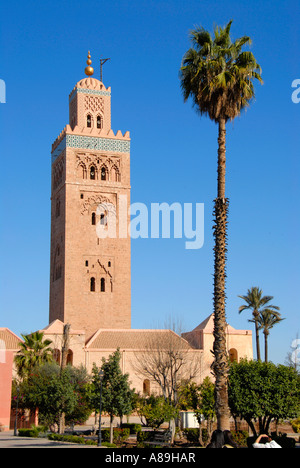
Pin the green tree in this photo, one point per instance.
(49, 391)
(200, 399)
(263, 392)
(117, 397)
(155, 410)
(54, 392)
(219, 76)
(259, 305)
(266, 320)
(34, 352)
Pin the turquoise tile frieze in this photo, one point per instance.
(88, 91)
(91, 143)
(55, 153)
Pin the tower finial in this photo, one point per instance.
(89, 70)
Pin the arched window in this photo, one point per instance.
(146, 387)
(92, 173)
(103, 173)
(99, 121)
(102, 288)
(115, 174)
(89, 121)
(70, 357)
(94, 219)
(93, 285)
(233, 355)
(103, 219)
(56, 355)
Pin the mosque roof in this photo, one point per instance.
(135, 339)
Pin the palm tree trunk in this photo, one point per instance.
(220, 364)
(266, 345)
(221, 158)
(256, 315)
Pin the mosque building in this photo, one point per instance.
(90, 258)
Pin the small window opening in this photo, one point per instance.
(93, 285)
(92, 173)
(89, 121)
(102, 284)
(103, 173)
(102, 219)
(99, 122)
(94, 219)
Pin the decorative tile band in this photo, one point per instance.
(92, 143)
(88, 91)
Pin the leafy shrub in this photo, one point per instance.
(134, 428)
(144, 436)
(33, 431)
(192, 435)
(296, 425)
(119, 435)
(72, 439)
(240, 437)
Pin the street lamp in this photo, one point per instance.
(17, 409)
(101, 375)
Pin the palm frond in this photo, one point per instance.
(217, 74)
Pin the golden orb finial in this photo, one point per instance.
(89, 70)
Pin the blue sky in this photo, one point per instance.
(173, 153)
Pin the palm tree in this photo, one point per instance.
(34, 351)
(266, 320)
(260, 306)
(218, 76)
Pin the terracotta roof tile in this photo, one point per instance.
(134, 339)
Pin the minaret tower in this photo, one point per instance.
(90, 272)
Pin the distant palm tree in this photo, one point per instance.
(260, 306)
(218, 76)
(34, 351)
(266, 320)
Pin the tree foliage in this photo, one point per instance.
(155, 410)
(217, 74)
(261, 309)
(263, 392)
(200, 399)
(34, 351)
(54, 392)
(117, 396)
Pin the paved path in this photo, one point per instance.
(8, 440)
